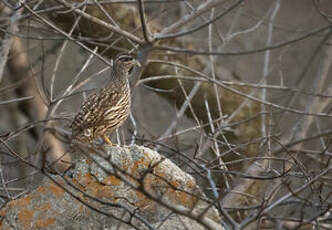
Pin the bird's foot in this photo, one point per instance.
(107, 140)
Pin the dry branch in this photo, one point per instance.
(34, 109)
(112, 44)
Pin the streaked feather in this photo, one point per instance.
(107, 109)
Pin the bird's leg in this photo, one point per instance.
(107, 140)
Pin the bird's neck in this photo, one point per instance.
(119, 78)
(119, 75)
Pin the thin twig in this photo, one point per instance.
(145, 29)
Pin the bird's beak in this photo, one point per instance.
(138, 63)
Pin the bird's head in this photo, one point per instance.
(124, 62)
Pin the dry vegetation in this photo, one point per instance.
(236, 93)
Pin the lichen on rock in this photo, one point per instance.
(133, 185)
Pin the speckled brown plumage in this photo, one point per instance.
(107, 109)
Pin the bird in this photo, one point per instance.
(106, 110)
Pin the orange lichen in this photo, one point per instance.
(44, 223)
(190, 184)
(161, 175)
(78, 184)
(83, 180)
(139, 163)
(25, 217)
(184, 198)
(24, 201)
(175, 183)
(112, 180)
(41, 189)
(150, 182)
(3, 212)
(106, 192)
(93, 189)
(144, 203)
(169, 186)
(57, 191)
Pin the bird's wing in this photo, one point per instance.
(92, 110)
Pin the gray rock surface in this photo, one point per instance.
(120, 188)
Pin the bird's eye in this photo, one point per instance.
(126, 58)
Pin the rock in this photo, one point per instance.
(126, 187)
